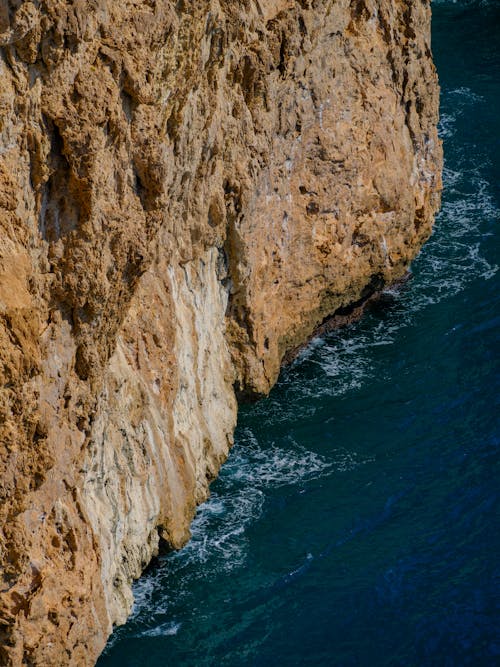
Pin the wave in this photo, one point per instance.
(219, 528)
(272, 466)
(168, 629)
(461, 99)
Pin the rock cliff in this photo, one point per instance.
(187, 191)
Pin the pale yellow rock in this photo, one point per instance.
(187, 191)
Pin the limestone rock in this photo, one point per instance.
(187, 191)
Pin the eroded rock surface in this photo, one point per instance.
(187, 190)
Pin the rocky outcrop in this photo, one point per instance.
(187, 191)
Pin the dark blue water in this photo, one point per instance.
(357, 520)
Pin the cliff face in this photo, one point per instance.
(187, 190)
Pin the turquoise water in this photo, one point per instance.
(357, 519)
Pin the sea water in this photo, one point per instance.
(356, 521)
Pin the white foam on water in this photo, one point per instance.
(272, 466)
(143, 592)
(465, 94)
(461, 98)
(219, 528)
(219, 542)
(451, 177)
(168, 629)
(455, 255)
(447, 126)
(218, 537)
(346, 461)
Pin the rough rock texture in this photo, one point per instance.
(187, 191)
